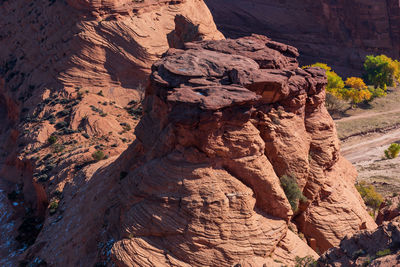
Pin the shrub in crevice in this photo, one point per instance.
(292, 191)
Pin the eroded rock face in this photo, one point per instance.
(389, 210)
(76, 70)
(379, 247)
(223, 120)
(339, 33)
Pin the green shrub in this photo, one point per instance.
(306, 261)
(371, 198)
(98, 155)
(381, 71)
(58, 148)
(392, 151)
(53, 206)
(376, 92)
(292, 191)
(52, 139)
(383, 253)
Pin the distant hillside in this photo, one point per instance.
(339, 33)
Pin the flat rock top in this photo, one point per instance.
(212, 97)
(201, 63)
(216, 74)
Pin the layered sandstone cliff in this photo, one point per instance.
(223, 122)
(200, 185)
(339, 33)
(75, 70)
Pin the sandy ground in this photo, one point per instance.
(368, 115)
(366, 152)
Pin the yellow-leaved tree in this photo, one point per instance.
(357, 90)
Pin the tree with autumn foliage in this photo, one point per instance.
(356, 91)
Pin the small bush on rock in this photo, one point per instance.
(306, 261)
(383, 253)
(98, 155)
(52, 139)
(53, 206)
(292, 191)
(58, 148)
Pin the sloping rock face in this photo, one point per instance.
(339, 33)
(223, 120)
(389, 210)
(380, 247)
(77, 70)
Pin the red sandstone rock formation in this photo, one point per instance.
(379, 247)
(223, 120)
(389, 210)
(75, 69)
(339, 33)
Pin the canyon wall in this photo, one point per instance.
(340, 33)
(75, 70)
(224, 121)
(198, 182)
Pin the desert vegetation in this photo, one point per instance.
(380, 72)
(292, 191)
(98, 155)
(371, 198)
(392, 151)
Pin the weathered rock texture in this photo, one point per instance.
(379, 247)
(339, 33)
(223, 120)
(75, 69)
(389, 210)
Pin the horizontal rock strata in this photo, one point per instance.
(223, 121)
